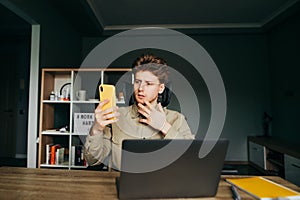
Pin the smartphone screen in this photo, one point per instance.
(107, 91)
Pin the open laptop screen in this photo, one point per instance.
(169, 169)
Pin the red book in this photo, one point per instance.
(52, 156)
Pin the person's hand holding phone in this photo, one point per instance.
(104, 117)
(156, 118)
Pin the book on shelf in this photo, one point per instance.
(53, 153)
(77, 158)
(59, 158)
(48, 153)
(264, 189)
(73, 155)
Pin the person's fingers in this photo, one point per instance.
(101, 104)
(111, 115)
(102, 115)
(144, 108)
(98, 116)
(160, 108)
(110, 110)
(110, 121)
(146, 121)
(145, 114)
(150, 106)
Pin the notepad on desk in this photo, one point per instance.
(264, 189)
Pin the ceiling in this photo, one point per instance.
(11, 23)
(93, 16)
(100, 17)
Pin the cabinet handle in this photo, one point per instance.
(294, 165)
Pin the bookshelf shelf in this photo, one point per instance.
(55, 166)
(93, 102)
(64, 84)
(78, 167)
(51, 101)
(87, 102)
(276, 162)
(54, 133)
(78, 134)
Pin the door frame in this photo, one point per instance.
(32, 138)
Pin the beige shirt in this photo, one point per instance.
(107, 147)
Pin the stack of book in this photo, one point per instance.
(58, 155)
(55, 154)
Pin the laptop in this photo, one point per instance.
(169, 169)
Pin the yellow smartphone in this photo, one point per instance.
(107, 91)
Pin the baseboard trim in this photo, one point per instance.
(19, 155)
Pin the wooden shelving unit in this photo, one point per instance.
(59, 113)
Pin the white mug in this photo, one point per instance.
(81, 95)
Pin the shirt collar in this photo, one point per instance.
(134, 111)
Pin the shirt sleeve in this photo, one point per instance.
(97, 148)
(179, 128)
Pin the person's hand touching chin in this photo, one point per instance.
(156, 118)
(104, 117)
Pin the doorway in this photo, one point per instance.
(8, 104)
(14, 87)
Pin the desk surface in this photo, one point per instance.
(24, 183)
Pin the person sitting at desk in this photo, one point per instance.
(146, 118)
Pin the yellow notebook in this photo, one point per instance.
(264, 189)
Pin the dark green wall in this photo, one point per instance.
(284, 44)
(242, 60)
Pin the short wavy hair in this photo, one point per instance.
(157, 66)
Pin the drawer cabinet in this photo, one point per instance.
(257, 155)
(292, 169)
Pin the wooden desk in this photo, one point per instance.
(24, 183)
